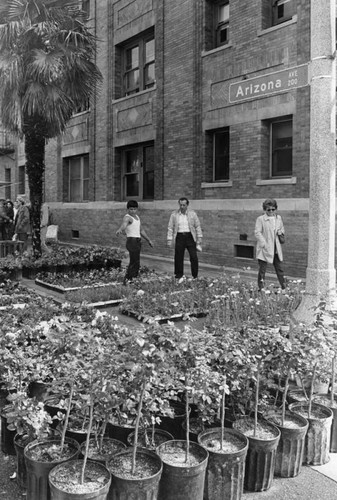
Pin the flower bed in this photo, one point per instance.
(75, 280)
(63, 258)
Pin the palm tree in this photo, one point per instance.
(47, 71)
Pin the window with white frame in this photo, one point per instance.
(281, 147)
(76, 177)
(221, 140)
(222, 22)
(139, 64)
(138, 172)
(282, 10)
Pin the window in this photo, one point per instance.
(282, 10)
(281, 137)
(222, 23)
(83, 107)
(76, 178)
(221, 155)
(86, 7)
(139, 65)
(8, 183)
(22, 189)
(138, 165)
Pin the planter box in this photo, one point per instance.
(161, 319)
(62, 289)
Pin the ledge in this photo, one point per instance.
(293, 20)
(274, 182)
(225, 184)
(205, 53)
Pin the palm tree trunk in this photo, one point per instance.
(35, 152)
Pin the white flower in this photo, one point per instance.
(140, 293)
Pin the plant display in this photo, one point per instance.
(61, 255)
(81, 279)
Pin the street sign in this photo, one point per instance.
(271, 83)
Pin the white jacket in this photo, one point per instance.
(267, 237)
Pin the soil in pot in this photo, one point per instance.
(102, 451)
(317, 440)
(40, 458)
(182, 478)
(226, 464)
(143, 484)
(261, 455)
(289, 453)
(150, 438)
(65, 481)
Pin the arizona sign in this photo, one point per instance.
(262, 86)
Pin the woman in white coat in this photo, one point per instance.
(269, 230)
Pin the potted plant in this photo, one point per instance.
(316, 355)
(227, 447)
(84, 362)
(262, 435)
(184, 475)
(144, 359)
(293, 428)
(326, 319)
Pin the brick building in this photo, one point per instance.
(207, 99)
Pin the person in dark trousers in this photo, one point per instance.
(184, 230)
(269, 232)
(9, 209)
(4, 220)
(132, 227)
(22, 222)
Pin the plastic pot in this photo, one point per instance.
(145, 488)
(119, 432)
(317, 440)
(225, 470)
(178, 481)
(37, 471)
(325, 400)
(261, 456)
(73, 468)
(160, 436)
(289, 453)
(110, 448)
(7, 437)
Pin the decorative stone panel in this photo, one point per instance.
(137, 116)
(76, 133)
(132, 11)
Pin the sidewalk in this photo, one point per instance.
(166, 265)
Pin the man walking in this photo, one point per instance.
(185, 230)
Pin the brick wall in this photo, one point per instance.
(222, 223)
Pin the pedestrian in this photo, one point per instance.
(46, 220)
(132, 227)
(184, 230)
(269, 232)
(22, 224)
(9, 225)
(4, 219)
